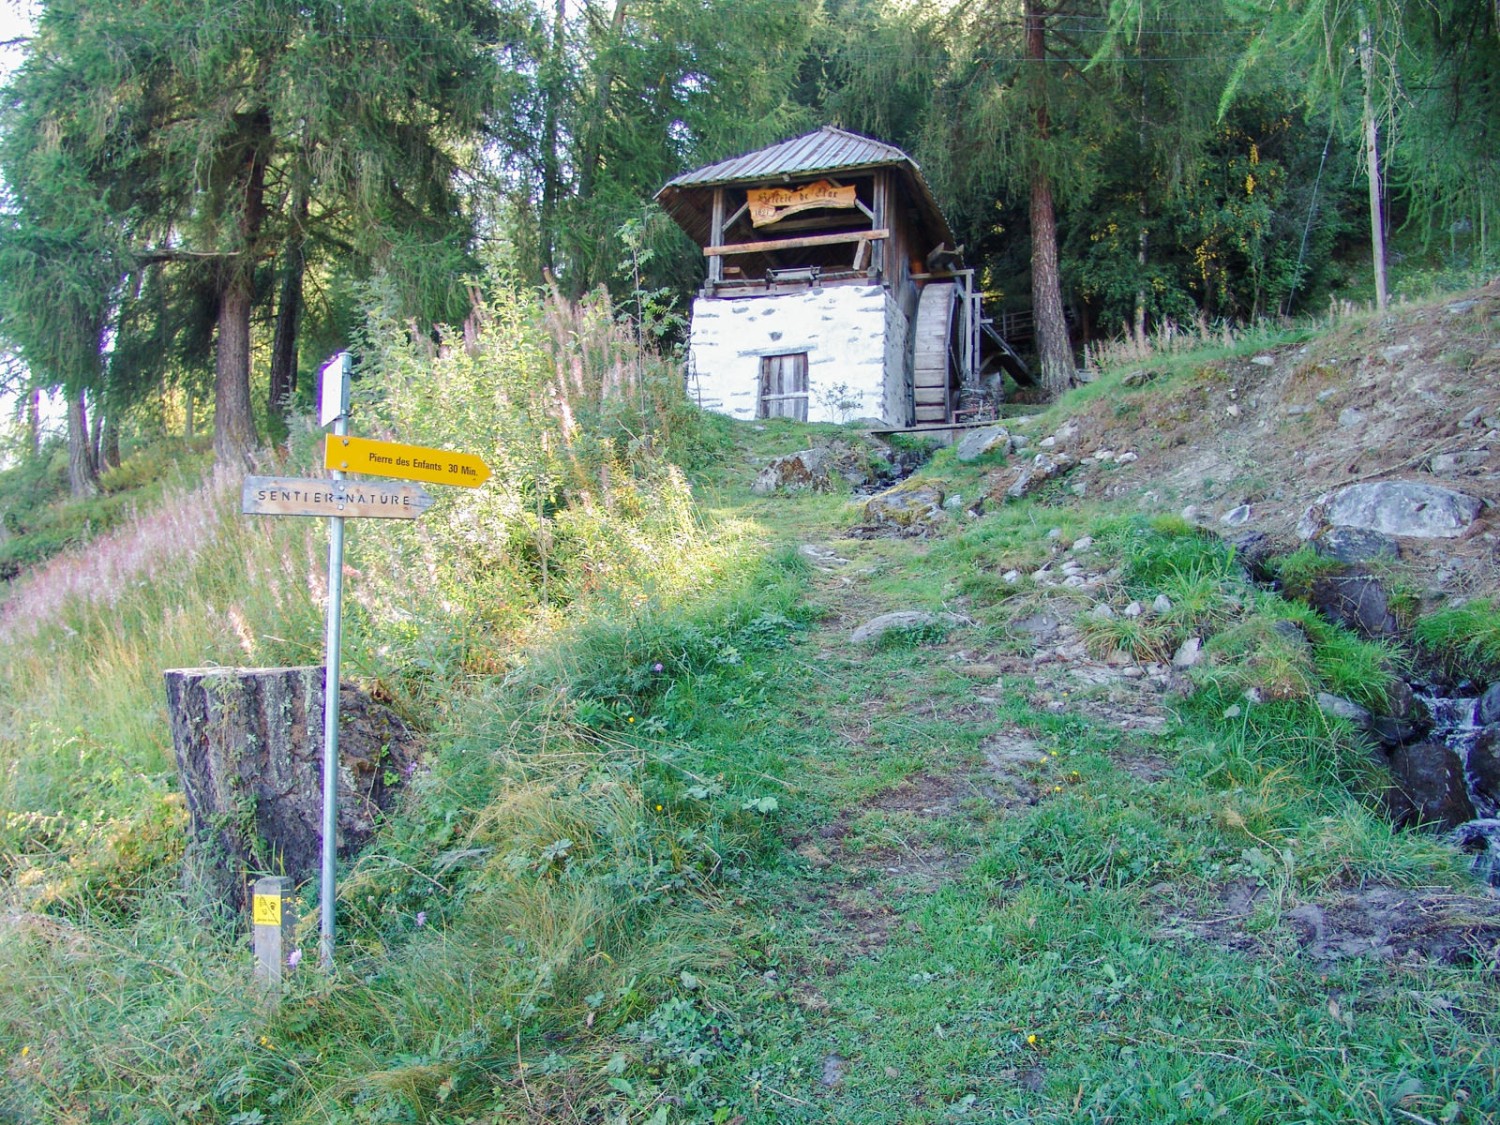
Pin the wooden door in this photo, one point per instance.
(783, 386)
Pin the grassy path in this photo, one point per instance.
(1022, 889)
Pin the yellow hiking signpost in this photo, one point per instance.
(409, 462)
(339, 498)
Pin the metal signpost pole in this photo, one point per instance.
(335, 398)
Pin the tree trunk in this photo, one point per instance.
(234, 422)
(289, 312)
(234, 425)
(249, 750)
(592, 138)
(1054, 350)
(83, 475)
(552, 93)
(109, 443)
(34, 421)
(1372, 161)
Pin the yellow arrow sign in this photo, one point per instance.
(409, 462)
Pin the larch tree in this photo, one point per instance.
(225, 143)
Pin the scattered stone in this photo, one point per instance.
(1043, 468)
(1458, 308)
(1296, 410)
(1191, 513)
(1263, 361)
(1254, 551)
(821, 556)
(1355, 544)
(1337, 707)
(1236, 517)
(1047, 443)
(982, 442)
(1161, 604)
(1102, 612)
(1424, 511)
(1083, 544)
(1324, 396)
(877, 627)
(1011, 577)
(796, 472)
(1394, 352)
(1428, 787)
(1134, 609)
(1139, 378)
(1188, 653)
(1104, 456)
(1054, 533)
(1041, 627)
(1127, 458)
(1232, 410)
(1466, 460)
(1349, 417)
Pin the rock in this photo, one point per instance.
(1139, 378)
(1254, 551)
(1349, 417)
(911, 508)
(1011, 577)
(1356, 600)
(1161, 604)
(1428, 787)
(1134, 609)
(1047, 443)
(878, 627)
(1102, 612)
(1127, 458)
(1041, 627)
(1466, 460)
(1264, 361)
(249, 750)
(1190, 513)
(982, 442)
(1488, 710)
(1236, 517)
(1338, 707)
(1083, 544)
(1484, 765)
(1018, 442)
(1188, 653)
(821, 556)
(805, 469)
(1355, 544)
(1298, 409)
(1043, 468)
(1422, 511)
(834, 1069)
(1481, 839)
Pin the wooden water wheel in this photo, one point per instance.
(935, 352)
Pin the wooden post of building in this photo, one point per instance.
(274, 917)
(716, 238)
(882, 209)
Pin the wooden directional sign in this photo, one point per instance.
(409, 462)
(296, 496)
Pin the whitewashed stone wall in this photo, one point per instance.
(897, 363)
(842, 328)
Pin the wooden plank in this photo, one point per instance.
(795, 243)
(298, 496)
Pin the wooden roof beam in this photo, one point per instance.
(796, 243)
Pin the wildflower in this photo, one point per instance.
(656, 667)
(658, 808)
(1031, 1040)
(421, 917)
(294, 958)
(630, 719)
(25, 1051)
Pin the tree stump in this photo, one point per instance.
(249, 747)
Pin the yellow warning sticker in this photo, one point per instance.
(267, 910)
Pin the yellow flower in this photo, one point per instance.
(631, 719)
(658, 808)
(25, 1051)
(1031, 1040)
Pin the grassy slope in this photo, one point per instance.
(782, 878)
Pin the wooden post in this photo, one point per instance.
(274, 917)
(716, 238)
(882, 210)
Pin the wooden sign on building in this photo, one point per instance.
(771, 205)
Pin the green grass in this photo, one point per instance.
(1465, 640)
(679, 853)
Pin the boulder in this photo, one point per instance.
(249, 749)
(1484, 765)
(878, 627)
(1427, 787)
(1394, 507)
(982, 442)
(1355, 599)
(1336, 706)
(911, 508)
(1488, 710)
(1355, 544)
(837, 466)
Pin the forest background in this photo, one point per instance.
(202, 199)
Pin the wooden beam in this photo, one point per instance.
(716, 238)
(796, 243)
